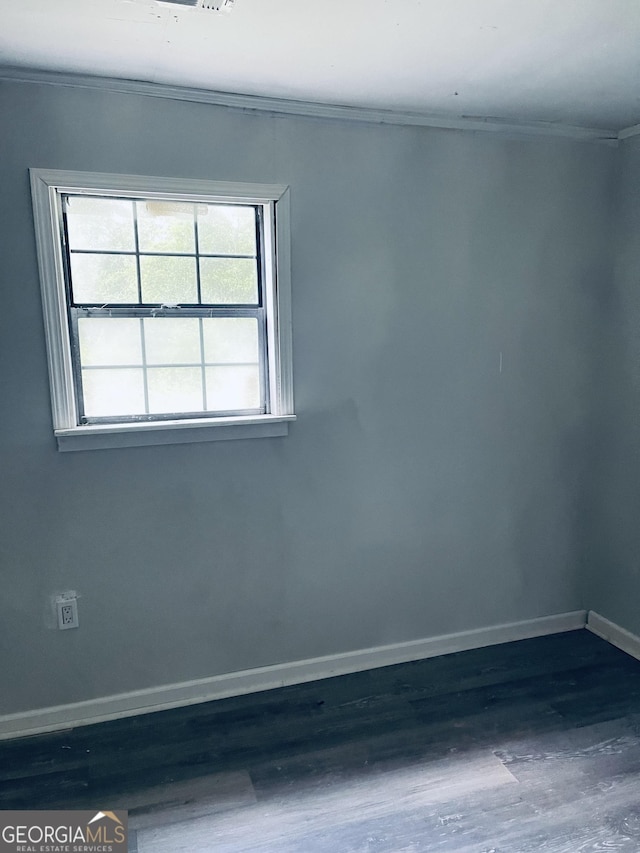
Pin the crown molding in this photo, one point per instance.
(309, 109)
(628, 132)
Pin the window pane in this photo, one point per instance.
(231, 340)
(100, 223)
(230, 388)
(108, 340)
(172, 341)
(104, 278)
(108, 393)
(175, 389)
(229, 280)
(165, 226)
(170, 280)
(226, 229)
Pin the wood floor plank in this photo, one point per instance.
(187, 800)
(373, 798)
(525, 747)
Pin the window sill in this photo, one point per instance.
(102, 437)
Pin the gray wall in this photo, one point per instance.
(614, 563)
(420, 492)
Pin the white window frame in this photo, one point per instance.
(46, 185)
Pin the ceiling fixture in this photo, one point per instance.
(216, 5)
(210, 5)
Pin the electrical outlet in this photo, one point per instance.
(67, 609)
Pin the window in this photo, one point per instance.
(167, 308)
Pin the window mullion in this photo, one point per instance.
(72, 312)
(203, 369)
(259, 253)
(196, 238)
(134, 205)
(75, 360)
(264, 370)
(145, 378)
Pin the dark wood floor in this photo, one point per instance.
(528, 746)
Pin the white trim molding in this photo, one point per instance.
(256, 103)
(280, 675)
(614, 634)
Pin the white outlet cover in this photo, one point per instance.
(67, 610)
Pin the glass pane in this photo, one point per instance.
(165, 226)
(226, 230)
(168, 280)
(108, 340)
(104, 278)
(231, 388)
(231, 340)
(175, 389)
(100, 223)
(108, 393)
(229, 280)
(172, 341)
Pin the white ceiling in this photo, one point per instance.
(571, 62)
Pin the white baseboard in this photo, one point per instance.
(614, 634)
(279, 675)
